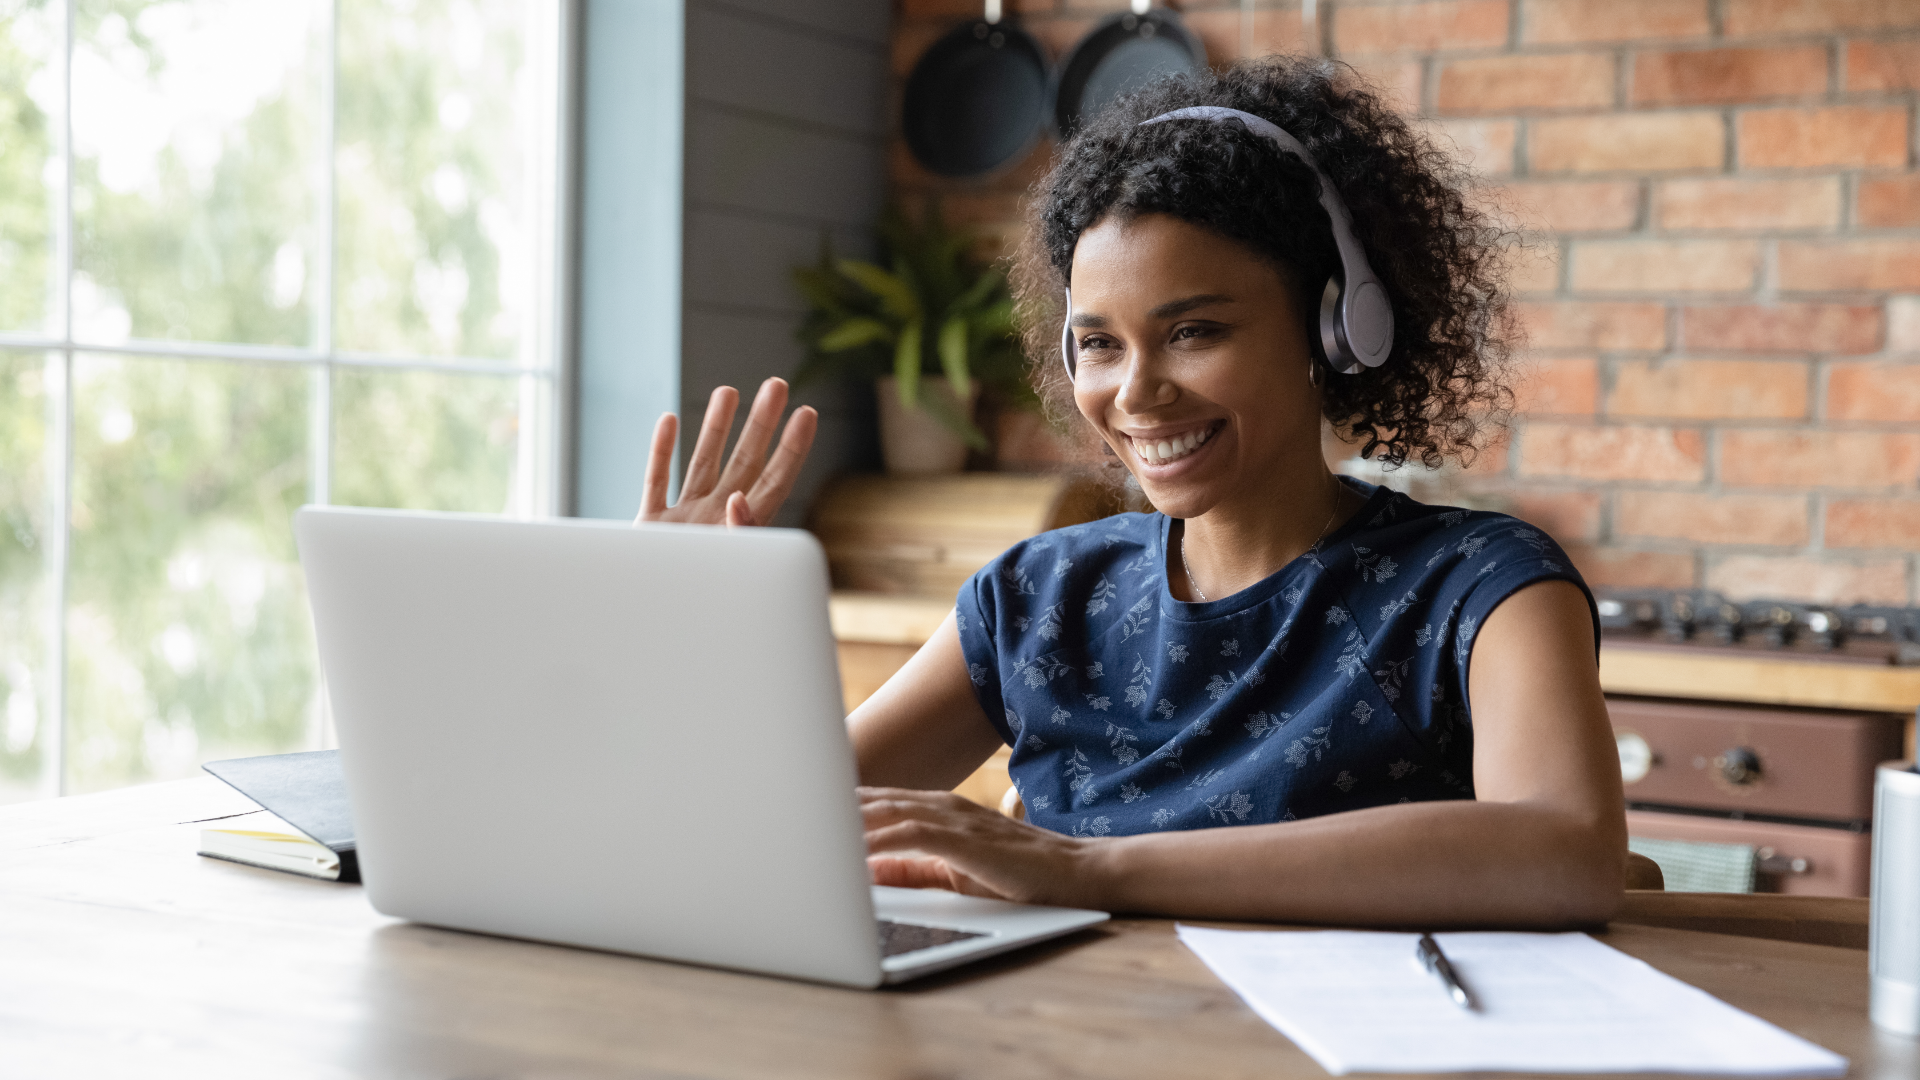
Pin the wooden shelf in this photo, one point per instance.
(886, 619)
(1654, 672)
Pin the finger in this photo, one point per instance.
(927, 868)
(653, 493)
(703, 468)
(925, 873)
(751, 450)
(739, 514)
(881, 813)
(776, 483)
(924, 837)
(915, 800)
(905, 872)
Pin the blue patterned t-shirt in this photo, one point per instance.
(1337, 683)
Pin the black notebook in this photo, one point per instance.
(306, 791)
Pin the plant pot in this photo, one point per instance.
(912, 441)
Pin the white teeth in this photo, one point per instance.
(1165, 450)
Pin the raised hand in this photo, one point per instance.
(752, 487)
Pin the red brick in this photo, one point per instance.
(1567, 516)
(1397, 79)
(1569, 22)
(1611, 326)
(1725, 76)
(1613, 453)
(1813, 265)
(1780, 520)
(1492, 460)
(1744, 18)
(1059, 35)
(1790, 328)
(1809, 580)
(1503, 84)
(910, 41)
(1420, 27)
(1635, 142)
(1838, 135)
(1485, 145)
(1729, 203)
(1874, 392)
(1665, 265)
(1889, 200)
(1533, 267)
(1570, 206)
(1873, 523)
(1858, 459)
(1626, 568)
(1567, 386)
(1709, 389)
(992, 218)
(1269, 31)
(1884, 65)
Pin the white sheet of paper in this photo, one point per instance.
(1358, 1001)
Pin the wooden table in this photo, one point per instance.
(124, 954)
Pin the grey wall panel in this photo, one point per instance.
(740, 349)
(857, 20)
(745, 162)
(738, 261)
(767, 68)
(628, 300)
(688, 235)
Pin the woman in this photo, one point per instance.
(1285, 696)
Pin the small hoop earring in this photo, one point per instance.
(1313, 374)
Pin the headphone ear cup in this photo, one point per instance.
(1332, 349)
(1067, 351)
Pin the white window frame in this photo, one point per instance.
(543, 485)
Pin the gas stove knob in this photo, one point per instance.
(1739, 766)
(1636, 756)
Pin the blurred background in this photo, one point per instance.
(457, 254)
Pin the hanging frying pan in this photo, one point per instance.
(1120, 55)
(977, 99)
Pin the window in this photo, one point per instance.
(253, 253)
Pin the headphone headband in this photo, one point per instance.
(1356, 320)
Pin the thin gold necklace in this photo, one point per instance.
(1195, 585)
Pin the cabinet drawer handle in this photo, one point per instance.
(1772, 862)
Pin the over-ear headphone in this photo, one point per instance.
(1356, 319)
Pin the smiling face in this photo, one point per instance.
(1193, 364)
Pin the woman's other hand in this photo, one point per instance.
(938, 840)
(753, 486)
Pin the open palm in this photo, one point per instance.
(752, 487)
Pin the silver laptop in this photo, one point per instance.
(617, 737)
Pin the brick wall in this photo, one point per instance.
(1722, 283)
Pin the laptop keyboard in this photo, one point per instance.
(899, 937)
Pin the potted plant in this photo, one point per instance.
(929, 323)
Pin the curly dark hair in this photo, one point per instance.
(1441, 259)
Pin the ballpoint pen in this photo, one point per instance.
(1435, 961)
